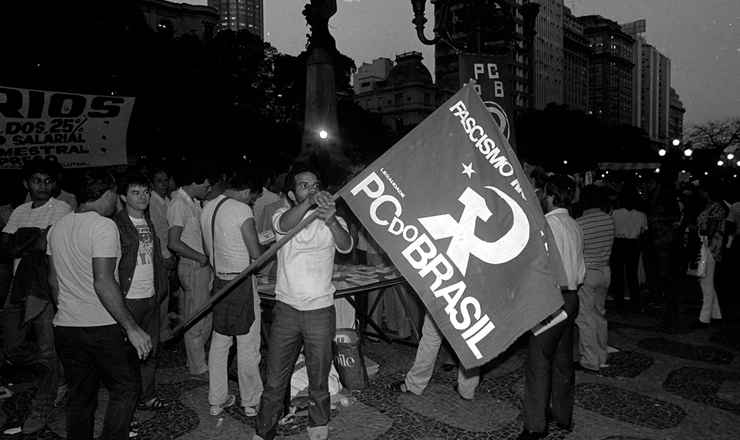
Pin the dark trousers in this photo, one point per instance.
(291, 329)
(89, 355)
(146, 315)
(549, 376)
(661, 270)
(625, 257)
(39, 356)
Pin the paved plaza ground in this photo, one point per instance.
(667, 381)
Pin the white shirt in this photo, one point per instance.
(158, 215)
(73, 242)
(569, 240)
(232, 255)
(629, 224)
(306, 265)
(184, 212)
(142, 284)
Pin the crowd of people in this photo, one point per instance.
(88, 276)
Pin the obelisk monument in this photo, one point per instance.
(321, 129)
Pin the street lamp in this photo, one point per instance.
(676, 142)
(688, 152)
(661, 152)
(323, 134)
(486, 26)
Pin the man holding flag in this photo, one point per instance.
(304, 308)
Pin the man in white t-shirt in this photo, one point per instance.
(229, 218)
(141, 274)
(96, 334)
(184, 238)
(29, 304)
(304, 310)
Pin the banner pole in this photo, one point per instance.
(247, 271)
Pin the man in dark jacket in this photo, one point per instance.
(141, 274)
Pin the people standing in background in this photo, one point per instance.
(660, 248)
(598, 237)
(231, 243)
(96, 334)
(711, 227)
(28, 308)
(141, 274)
(549, 373)
(185, 239)
(629, 225)
(158, 203)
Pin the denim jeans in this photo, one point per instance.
(418, 377)
(146, 315)
(549, 376)
(291, 329)
(661, 270)
(89, 355)
(591, 319)
(195, 281)
(40, 356)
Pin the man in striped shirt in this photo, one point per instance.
(598, 237)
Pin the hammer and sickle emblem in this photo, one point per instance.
(464, 241)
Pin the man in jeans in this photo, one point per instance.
(185, 239)
(96, 334)
(230, 218)
(304, 310)
(29, 304)
(141, 274)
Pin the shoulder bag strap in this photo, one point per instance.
(213, 233)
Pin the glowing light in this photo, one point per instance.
(323, 134)
(730, 156)
(661, 152)
(676, 142)
(687, 152)
(657, 170)
(720, 163)
(565, 162)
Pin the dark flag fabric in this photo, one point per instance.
(453, 209)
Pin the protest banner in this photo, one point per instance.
(73, 129)
(453, 209)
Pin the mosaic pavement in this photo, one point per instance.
(666, 382)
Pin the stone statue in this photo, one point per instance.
(317, 14)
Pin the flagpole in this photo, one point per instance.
(249, 269)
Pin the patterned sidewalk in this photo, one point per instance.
(666, 382)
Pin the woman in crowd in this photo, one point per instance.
(711, 227)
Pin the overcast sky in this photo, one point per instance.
(701, 37)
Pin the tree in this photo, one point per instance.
(721, 136)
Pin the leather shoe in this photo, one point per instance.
(531, 435)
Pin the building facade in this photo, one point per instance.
(576, 53)
(675, 116)
(651, 85)
(610, 90)
(237, 15)
(404, 98)
(446, 64)
(548, 54)
(178, 19)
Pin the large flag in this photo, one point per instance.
(453, 209)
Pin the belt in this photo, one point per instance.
(568, 291)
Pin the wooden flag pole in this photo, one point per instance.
(255, 264)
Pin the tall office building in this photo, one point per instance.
(446, 66)
(610, 70)
(675, 116)
(576, 52)
(240, 14)
(651, 85)
(548, 54)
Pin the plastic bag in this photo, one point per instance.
(348, 359)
